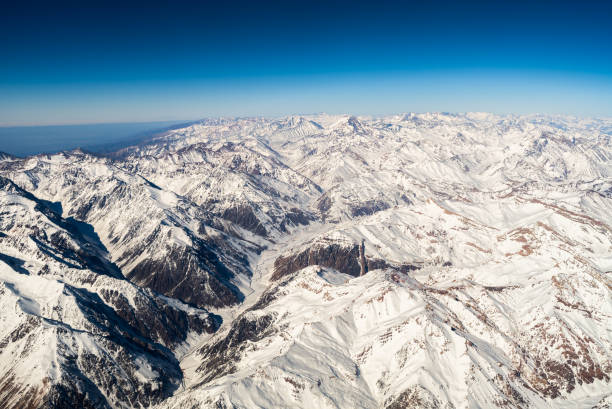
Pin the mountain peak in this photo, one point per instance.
(313, 261)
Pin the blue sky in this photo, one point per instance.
(90, 62)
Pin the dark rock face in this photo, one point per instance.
(349, 260)
(194, 276)
(157, 320)
(220, 357)
(295, 217)
(378, 264)
(333, 255)
(362, 260)
(368, 208)
(244, 217)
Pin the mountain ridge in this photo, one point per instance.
(414, 260)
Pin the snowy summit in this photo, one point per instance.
(323, 261)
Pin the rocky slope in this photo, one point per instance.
(157, 238)
(74, 331)
(419, 260)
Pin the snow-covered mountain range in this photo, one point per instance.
(324, 261)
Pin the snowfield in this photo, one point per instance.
(325, 261)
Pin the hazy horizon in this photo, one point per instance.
(102, 137)
(67, 63)
(298, 114)
(109, 137)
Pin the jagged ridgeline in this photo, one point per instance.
(410, 261)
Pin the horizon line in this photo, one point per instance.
(281, 116)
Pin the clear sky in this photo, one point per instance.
(90, 61)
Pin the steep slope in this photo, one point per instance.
(158, 239)
(74, 332)
(418, 260)
(235, 177)
(493, 314)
